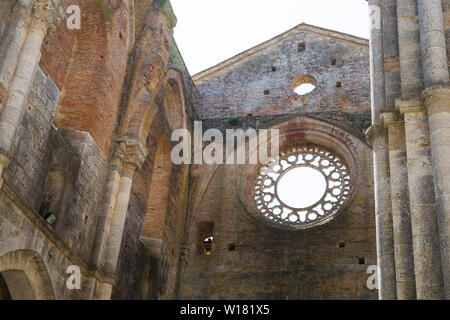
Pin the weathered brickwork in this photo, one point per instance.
(236, 88)
(86, 177)
(250, 260)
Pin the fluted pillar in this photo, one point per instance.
(377, 135)
(436, 99)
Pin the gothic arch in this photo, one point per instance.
(174, 105)
(157, 202)
(26, 276)
(157, 84)
(292, 130)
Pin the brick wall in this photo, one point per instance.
(236, 87)
(249, 259)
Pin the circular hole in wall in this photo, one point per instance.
(301, 187)
(305, 186)
(304, 84)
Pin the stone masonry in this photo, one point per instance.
(87, 179)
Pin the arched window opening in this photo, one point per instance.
(17, 285)
(207, 245)
(159, 191)
(205, 238)
(4, 290)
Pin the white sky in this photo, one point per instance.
(211, 31)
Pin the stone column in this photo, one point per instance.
(420, 178)
(45, 15)
(378, 136)
(129, 156)
(427, 259)
(437, 102)
(404, 258)
(14, 40)
(436, 99)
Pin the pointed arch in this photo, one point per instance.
(157, 203)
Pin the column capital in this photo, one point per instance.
(374, 131)
(435, 94)
(129, 151)
(46, 14)
(184, 257)
(391, 118)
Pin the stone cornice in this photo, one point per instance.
(391, 117)
(406, 106)
(53, 239)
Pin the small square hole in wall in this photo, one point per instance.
(333, 62)
(341, 244)
(231, 247)
(361, 261)
(301, 47)
(266, 92)
(274, 69)
(338, 84)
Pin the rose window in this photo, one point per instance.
(303, 187)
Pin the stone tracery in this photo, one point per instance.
(277, 212)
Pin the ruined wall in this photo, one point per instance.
(257, 85)
(63, 147)
(323, 262)
(250, 260)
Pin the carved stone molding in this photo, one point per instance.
(184, 257)
(46, 14)
(129, 151)
(406, 106)
(374, 131)
(437, 94)
(392, 117)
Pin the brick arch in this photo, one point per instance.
(92, 84)
(26, 275)
(314, 130)
(158, 198)
(170, 88)
(174, 105)
(145, 110)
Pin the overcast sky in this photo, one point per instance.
(211, 31)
